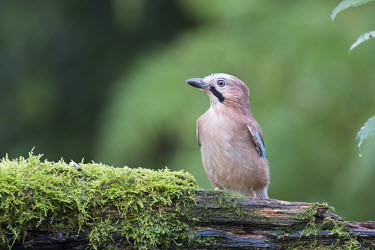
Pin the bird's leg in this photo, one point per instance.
(261, 193)
(252, 195)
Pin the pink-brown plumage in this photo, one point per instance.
(231, 152)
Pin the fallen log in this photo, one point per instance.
(51, 205)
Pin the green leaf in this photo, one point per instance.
(362, 38)
(347, 4)
(366, 131)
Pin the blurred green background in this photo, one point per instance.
(104, 80)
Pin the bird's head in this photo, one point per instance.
(222, 88)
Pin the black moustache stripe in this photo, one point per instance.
(217, 94)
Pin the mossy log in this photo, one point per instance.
(51, 205)
(221, 220)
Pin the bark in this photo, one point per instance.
(234, 222)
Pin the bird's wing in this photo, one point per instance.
(197, 133)
(256, 136)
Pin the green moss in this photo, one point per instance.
(334, 226)
(101, 234)
(309, 214)
(230, 201)
(339, 228)
(55, 196)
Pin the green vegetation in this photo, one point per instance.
(368, 129)
(308, 214)
(45, 194)
(230, 201)
(347, 4)
(334, 226)
(354, 3)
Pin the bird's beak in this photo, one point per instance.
(198, 83)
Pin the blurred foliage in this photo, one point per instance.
(345, 4)
(367, 130)
(362, 38)
(354, 3)
(106, 81)
(58, 64)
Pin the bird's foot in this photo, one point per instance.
(255, 198)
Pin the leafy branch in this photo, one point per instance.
(353, 3)
(368, 129)
(347, 4)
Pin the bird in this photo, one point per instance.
(230, 139)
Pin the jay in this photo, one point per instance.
(230, 139)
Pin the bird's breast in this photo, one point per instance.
(217, 131)
(225, 141)
(229, 155)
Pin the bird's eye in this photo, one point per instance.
(221, 82)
